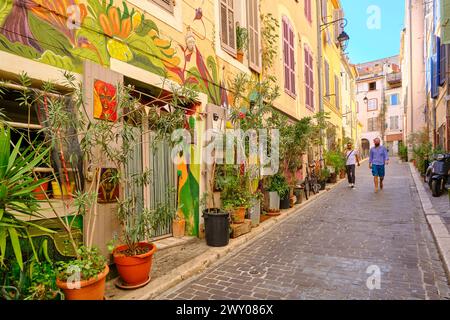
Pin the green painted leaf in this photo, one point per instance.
(94, 47)
(49, 57)
(13, 235)
(48, 37)
(5, 9)
(18, 48)
(145, 27)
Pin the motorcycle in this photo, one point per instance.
(438, 174)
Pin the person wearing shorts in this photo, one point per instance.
(379, 158)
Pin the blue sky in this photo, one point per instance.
(382, 37)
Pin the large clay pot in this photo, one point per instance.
(178, 227)
(134, 270)
(238, 215)
(240, 56)
(91, 289)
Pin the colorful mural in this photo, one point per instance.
(63, 33)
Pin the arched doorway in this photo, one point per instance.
(365, 146)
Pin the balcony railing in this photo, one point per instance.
(393, 78)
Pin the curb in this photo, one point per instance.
(212, 255)
(438, 228)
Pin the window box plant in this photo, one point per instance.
(241, 42)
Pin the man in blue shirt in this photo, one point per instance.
(379, 157)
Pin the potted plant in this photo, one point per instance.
(323, 178)
(241, 42)
(336, 161)
(83, 278)
(235, 193)
(278, 189)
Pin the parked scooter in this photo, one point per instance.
(438, 174)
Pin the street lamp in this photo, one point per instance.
(366, 101)
(343, 38)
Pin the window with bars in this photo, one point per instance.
(309, 79)
(227, 26)
(254, 45)
(443, 63)
(308, 10)
(288, 57)
(168, 5)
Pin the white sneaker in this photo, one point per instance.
(350, 185)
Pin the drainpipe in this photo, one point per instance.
(411, 130)
(319, 71)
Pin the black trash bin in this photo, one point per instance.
(285, 203)
(217, 227)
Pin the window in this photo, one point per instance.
(227, 26)
(372, 105)
(254, 45)
(165, 4)
(289, 57)
(309, 79)
(394, 123)
(338, 27)
(394, 99)
(308, 10)
(372, 86)
(372, 124)
(337, 93)
(327, 79)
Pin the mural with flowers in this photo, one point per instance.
(63, 33)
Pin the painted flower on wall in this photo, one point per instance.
(105, 102)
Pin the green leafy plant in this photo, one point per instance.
(241, 38)
(90, 264)
(278, 183)
(235, 188)
(16, 198)
(335, 159)
(324, 174)
(403, 152)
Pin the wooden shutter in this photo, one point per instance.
(309, 79)
(327, 80)
(227, 26)
(308, 10)
(324, 11)
(254, 46)
(443, 64)
(288, 57)
(338, 26)
(165, 4)
(337, 93)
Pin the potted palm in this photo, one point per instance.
(241, 42)
(323, 178)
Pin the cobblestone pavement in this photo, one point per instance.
(324, 252)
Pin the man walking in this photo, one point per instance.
(379, 157)
(352, 159)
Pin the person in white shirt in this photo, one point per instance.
(352, 158)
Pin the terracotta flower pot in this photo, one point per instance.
(39, 194)
(91, 289)
(238, 215)
(134, 270)
(178, 227)
(240, 56)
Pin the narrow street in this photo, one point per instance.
(324, 252)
